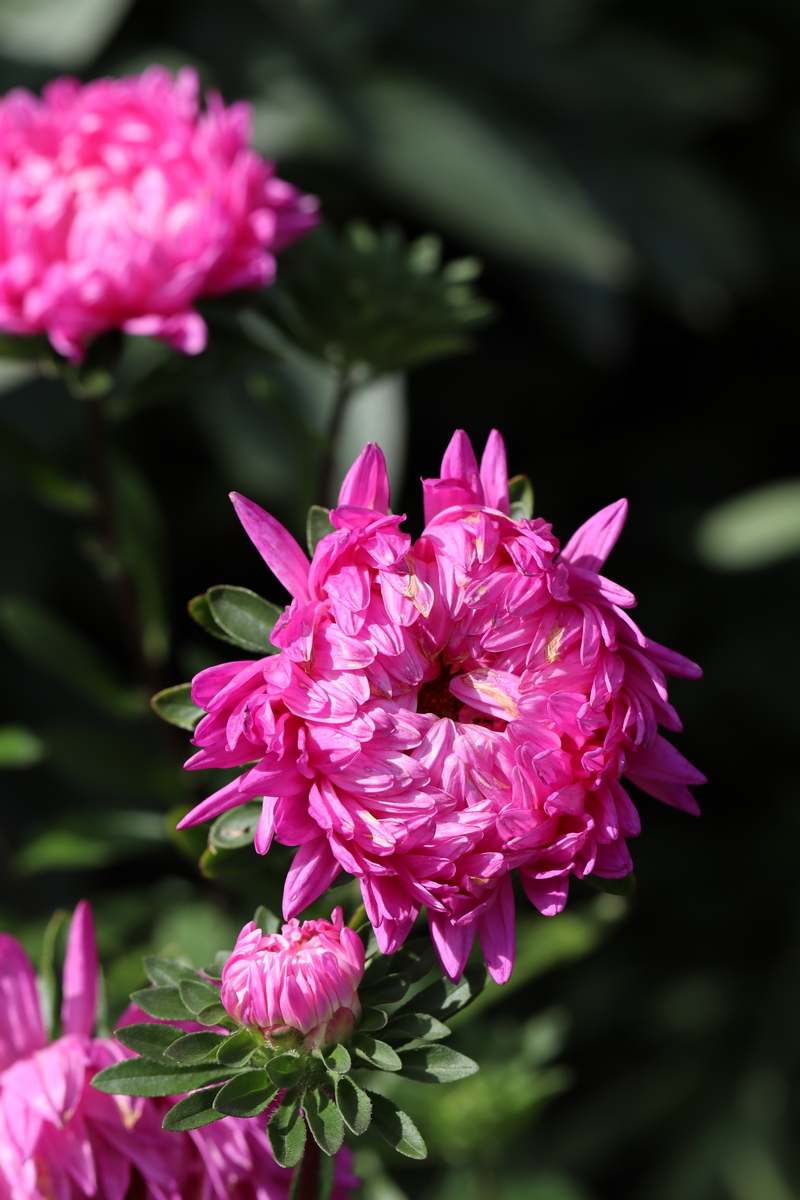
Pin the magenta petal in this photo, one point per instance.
(81, 968)
(276, 546)
(366, 484)
(548, 895)
(590, 546)
(459, 463)
(497, 934)
(229, 796)
(494, 473)
(21, 1029)
(313, 870)
(452, 943)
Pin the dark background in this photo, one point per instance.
(630, 176)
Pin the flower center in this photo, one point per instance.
(435, 697)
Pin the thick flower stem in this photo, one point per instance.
(344, 390)
(308, 1176)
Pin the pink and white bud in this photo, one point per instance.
(304, 978)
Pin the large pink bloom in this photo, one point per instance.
(442, 713)
(121, 203)
(61, 1139)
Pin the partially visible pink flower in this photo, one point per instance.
(306, 977)
(443, 712)
(121, 203)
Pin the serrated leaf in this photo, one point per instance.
(318, 524)
(175, 705)
(236, 1049)
(237, 827)
(436, 1064)
(372, 1019)
(140, 1077)
(376, 1053)
(389, 990)
(149, 1040)
(193, 1112)
(285, 1070)
(626, 886)
(443, 998)
(165, 971)
(287, 1131)
(247, 1094)
(200, 611)
(416, 1025)
(354, 1105)
(324, 1120)
(197, 995)
(396, 1127)
(245, 616)
(163, 1003)
(194, 1048)
(266, 920)
(520, 495)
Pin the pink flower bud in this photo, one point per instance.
(304, 979)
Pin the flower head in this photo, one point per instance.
(121, 203)
(306, 977)
(443, 712)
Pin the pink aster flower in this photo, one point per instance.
(305, 978)
(121, 203)
(442, 713)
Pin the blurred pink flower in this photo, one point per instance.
(121, 204)
(61, 1139)
(305, 977)
(442, 713)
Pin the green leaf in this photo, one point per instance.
(245, 616)
(436, 1064)
(625, 886)
(163, 1003)
(396, 1127)
(237, 827)
(149, 1040)
(197, 995)
(43, 477)
(194, 1048)
(266, 920)
(285, 1070)
(324, 1120)
(247, 1094)
(520, 495)
(318, 524)
(214, 1014)
(200, 611)
(354, 1105)
(174, 705)
(337, 1059)
(389, 990)
(236, 1049)
(19, 748)
(287, 1131)
(376, 1053)
(415, 958)
(214, 970)
(443, 998)
(372, 1019)
(194, 1111)
(416, 1025)
(164, 972)
(140, 1077)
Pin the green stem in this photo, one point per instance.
(344, 390)
(357, 917)
(308, 1175)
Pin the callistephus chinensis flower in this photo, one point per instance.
(121, 203)
(443, 712)
(303, 979)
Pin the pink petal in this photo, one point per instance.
(494, 473)
(276, 546)
(366, 484)
(548, 895)
(81, 968)
(496, 931)
(663, 772)
(590, 546)
(452, 942)
(460, 464)
(21, 1028)
(313, 870)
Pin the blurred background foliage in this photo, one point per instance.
(630, 177)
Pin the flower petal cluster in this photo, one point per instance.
(305, 978)
(61, 1139)
(121, 203)
(444, 712)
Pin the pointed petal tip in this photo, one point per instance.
(81, 967)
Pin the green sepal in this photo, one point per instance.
(246, 1095)
(372, 1019)
(520, 495)
(336, 1058)
(194, 1048)
(200, 611)
(396, 1127)
(266, 920)
(235, 828)
(163, 1003)
(140, 1077)
(285, 1070)
(236, 1050)
(354, 1105)
(194, 1111)
(318, 524)
(197, 995)
(175, 705)
(444, 999)
(246, 617)
(416, 1025)
(149, 1040)
(436, 1064)
(324, 1120)
(287, 1130)
(164, 972)
(376, 1053)
(625, 886)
